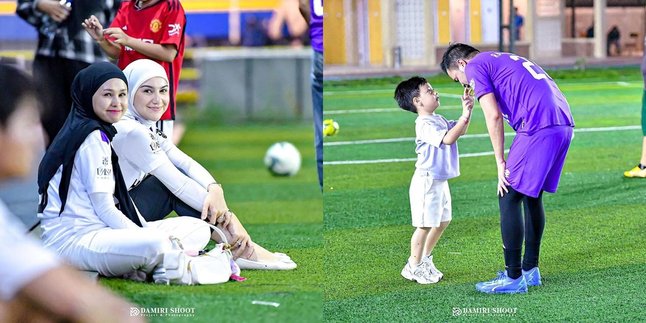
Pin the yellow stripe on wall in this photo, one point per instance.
(374, 25)
(443, 22)
(334, 33)
(9, 7)
(225, 5)
(475, 21)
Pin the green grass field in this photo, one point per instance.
(592, 258)
(282, 214)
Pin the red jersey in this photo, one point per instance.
(161, 23)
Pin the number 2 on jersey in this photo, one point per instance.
(318, 7)
(528, 66)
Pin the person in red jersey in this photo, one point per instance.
(152, 29)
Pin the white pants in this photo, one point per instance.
(430, 200)
(114, 253)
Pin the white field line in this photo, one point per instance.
(478, 135)
(391, 91)
(380, 110)
(398, 160)
(481, 135)
(390, 140)
(447, 107)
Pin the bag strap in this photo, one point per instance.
(219, 232)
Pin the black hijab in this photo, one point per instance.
(79, 124)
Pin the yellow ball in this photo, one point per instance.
(330, 127)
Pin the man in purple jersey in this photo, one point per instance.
(313, 13)
(512, 88)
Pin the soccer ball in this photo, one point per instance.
(330, 127)
(283, 159)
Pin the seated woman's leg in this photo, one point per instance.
(114, 253)
(193, 233)
(154, 201)
(248, 249)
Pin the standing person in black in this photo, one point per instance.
(613, 39)
(64, 48)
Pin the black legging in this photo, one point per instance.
(514, 231)
(154, 201)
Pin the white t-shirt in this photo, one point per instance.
(22, 259)
(92, 173)
(432, 155)
(142, 151)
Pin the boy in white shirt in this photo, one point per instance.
(437, 161)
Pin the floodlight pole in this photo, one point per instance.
(501, 27)
(573, 20)
(511, 27)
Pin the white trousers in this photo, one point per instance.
(430, 200)
(114, 253)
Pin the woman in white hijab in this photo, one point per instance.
(161, 178)
(79, 181)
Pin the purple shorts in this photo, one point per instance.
(535, 162)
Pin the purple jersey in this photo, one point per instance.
(316, 24)
(528, 98)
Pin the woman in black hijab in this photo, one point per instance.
(34, 285)
(80, 181)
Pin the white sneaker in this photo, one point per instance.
(427, 261)
(418, 274)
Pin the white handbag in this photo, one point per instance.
(213, 267)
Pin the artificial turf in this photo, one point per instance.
(280, 213)
(592, 257)
(349, 259)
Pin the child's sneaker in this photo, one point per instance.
(635, 172)
(533, 277)
(503, 285)
(430, 266)
(418, 274)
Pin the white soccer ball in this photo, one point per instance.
(283, 159)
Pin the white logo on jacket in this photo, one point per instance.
(174, 29)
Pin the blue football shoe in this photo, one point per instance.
(533, 277)
(503, 285)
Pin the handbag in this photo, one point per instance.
(213, 267)
(216, 266)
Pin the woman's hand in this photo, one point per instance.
(214, 208)
(240, 241)
(53, 8)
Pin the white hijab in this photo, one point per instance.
(137, 73)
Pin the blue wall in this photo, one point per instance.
(209, 25)
(14, 28)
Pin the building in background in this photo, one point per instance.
(416, 32)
